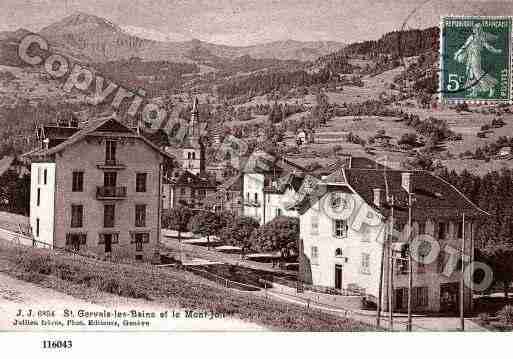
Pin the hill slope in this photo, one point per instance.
(101, 40)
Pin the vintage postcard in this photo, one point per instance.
(255, 166)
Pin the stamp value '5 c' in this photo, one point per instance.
(475, 59)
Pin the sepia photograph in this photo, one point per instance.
(243, 166)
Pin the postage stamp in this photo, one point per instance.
(475, 59)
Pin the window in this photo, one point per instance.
(182, 191)
(38, 196)
(314, 255)
(278, 212)
(365, 268)
(139, 239)
(140, 182)
(39, 175)
(194, 155)
(442, 260)
(45, 175)
(77, 215)
(338, 252)
(422, 228)
(75, 240)
(459, 229)
(401, 298)
(110, 179)
(37, 227)
(420, 296)
(110, 151)
(140, 215)
(109, 215)
(442, 230)
(256, 197)
(314, 225)
(78, 181)
(202, 193)
(340, 228)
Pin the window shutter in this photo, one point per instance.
(68, 239)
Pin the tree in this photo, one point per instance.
(238, 232)
(498, 256)
(206, 223)
(322, 110)
(177, 218)
(280, 234)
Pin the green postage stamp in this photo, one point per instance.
(475, 59)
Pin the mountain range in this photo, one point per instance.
(99, 40)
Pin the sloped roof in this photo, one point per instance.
(289, 180)
(349, 162)
(100, 124)
(189, 179)
(433, 196)
(232, 184)
(263, 162)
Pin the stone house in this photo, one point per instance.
(345, 221)
(98, 191)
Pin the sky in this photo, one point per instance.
(240, 23)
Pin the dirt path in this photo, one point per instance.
(16, 294)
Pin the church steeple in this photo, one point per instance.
(194, 122)
(194, 151)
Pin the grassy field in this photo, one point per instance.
(82, 277)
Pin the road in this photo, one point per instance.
(419, 323)
(202, 252)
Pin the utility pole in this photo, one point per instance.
(391, 268)
(380, 289)
(462, 290)
(410, 262)
(472, 266)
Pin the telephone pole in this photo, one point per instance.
(410, 262)
(462, 290)
(391, 268)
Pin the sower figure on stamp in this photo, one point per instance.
(470, 55)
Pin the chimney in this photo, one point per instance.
(377, 197)
(406, 181)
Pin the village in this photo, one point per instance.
(103, 190)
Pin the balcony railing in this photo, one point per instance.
(110, 192)
(111, 164)
(251, 203)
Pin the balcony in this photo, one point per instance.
(251, 203)
(110, 192)
(111, 165)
